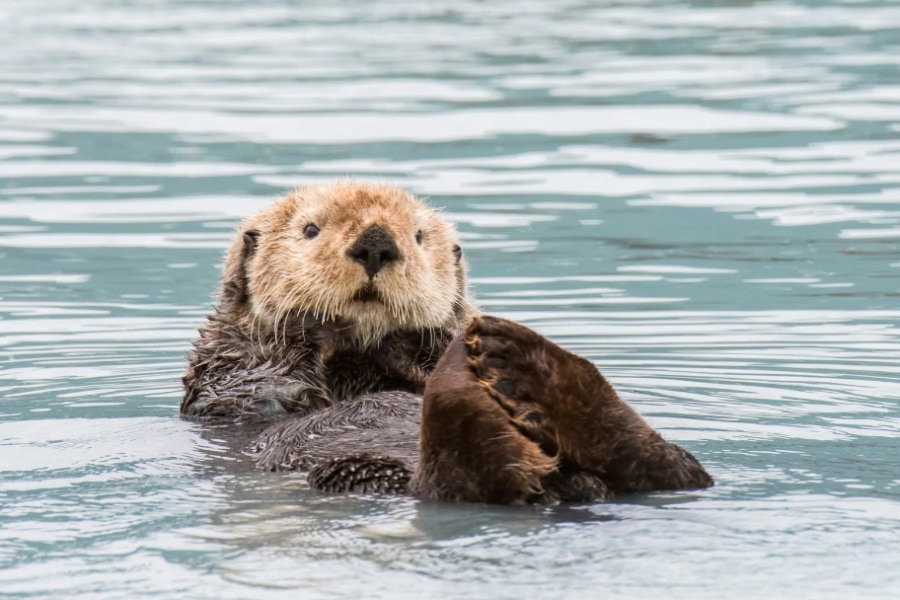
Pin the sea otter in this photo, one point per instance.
(344, 317)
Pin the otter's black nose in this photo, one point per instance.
(374, 249)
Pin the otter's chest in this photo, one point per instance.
(349, 374)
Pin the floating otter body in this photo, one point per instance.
(344, 317)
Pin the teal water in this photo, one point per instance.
(702, 197)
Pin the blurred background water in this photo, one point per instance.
(700, 196)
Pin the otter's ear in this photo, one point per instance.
(457, 252)
(235, 284)
(251, 237)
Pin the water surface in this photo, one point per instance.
(701, 197)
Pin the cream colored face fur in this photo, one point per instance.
(289, 274)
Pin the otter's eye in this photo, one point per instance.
(419, 236)
(310, 231)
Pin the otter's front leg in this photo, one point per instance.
(260, 393)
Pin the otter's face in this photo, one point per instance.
(371, 256)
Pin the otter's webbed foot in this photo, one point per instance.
(470, 448)
(562, 403)
(362, 474)
(554, 397)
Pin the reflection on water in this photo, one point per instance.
(701, 197)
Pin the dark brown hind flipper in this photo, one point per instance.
(362, 474)
(562, 403)
(646, 463)
(470, 449)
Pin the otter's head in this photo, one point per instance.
(370, 256)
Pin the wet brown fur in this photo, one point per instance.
(507, 416)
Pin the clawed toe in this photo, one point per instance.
(495, 362)
(504, 387)
(494, 353)
(487, 353)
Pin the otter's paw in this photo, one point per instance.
(361, 474)
(554, 397)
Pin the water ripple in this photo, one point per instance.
(701, 197)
